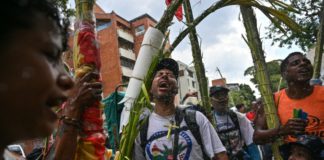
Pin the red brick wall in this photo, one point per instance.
(219, 82)
(110, 59)
(109, 48)
(147, 22)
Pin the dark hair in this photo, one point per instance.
(239, 106)
(284, 63)
(19, 14)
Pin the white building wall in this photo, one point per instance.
(310, 55)
(185, 82)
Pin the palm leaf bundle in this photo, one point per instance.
(139, 101)
(86, 59)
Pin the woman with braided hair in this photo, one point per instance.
(33, 80)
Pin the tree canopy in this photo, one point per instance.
(244, 95)
(308, 18)
(274, 73)
(63, 7)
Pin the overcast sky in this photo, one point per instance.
(220, 34)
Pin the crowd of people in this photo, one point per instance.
(35, 82)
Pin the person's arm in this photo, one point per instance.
(212, 145)
(84, 94)
(220, 156)
(189, 94)
(264, 135)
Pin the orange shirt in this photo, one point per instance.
(312, 104)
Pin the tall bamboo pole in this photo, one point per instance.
(86, 59)
(255, 44)
(198, 64)
(319, 46)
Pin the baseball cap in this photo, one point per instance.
(217, 88)
(170, 64)
(312, 143)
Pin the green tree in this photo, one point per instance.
(244, 95)
(308, 18)
(274, 73)
(63, 7)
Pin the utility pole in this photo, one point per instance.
(219, 72)
(229, 95)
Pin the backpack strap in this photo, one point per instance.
(178, 119)
(144, 128)
(190, 119)
(234, 118)
(143, 133)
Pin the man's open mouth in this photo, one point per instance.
(163, 85)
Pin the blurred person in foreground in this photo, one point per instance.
(34, 81)
(305, 148)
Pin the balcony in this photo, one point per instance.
(125, 35)
(126, 71)
(127, 53)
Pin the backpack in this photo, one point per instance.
(235, 121)
(189, 116)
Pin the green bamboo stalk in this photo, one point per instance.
(167, 17)
(319, 46)
(255, 45)
(198, 64)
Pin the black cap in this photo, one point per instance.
(217, 88)
(313, 143)
(170, 64)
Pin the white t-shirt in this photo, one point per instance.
(232, 135)
(10, 156)
(189, 149)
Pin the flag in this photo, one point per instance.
(178, 13)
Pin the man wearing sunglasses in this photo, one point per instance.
(233, 128)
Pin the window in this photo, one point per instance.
(193, 84)
(125, 79)
(181, 73)
(102, 25)
(139, 30)
(125, 62)
(125, 44)
(190, 73)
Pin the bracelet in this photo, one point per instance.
(70, 121)
(278, 135)
(278, 131)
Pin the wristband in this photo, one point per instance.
(71, 121)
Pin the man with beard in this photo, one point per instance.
(166, 133)
(233, 128)
(297, 70)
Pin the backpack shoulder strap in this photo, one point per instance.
(234, 118)
(143, 132)
(190, 119)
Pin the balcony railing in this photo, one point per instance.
(126, 71)
(125, 35)
(127, 53)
